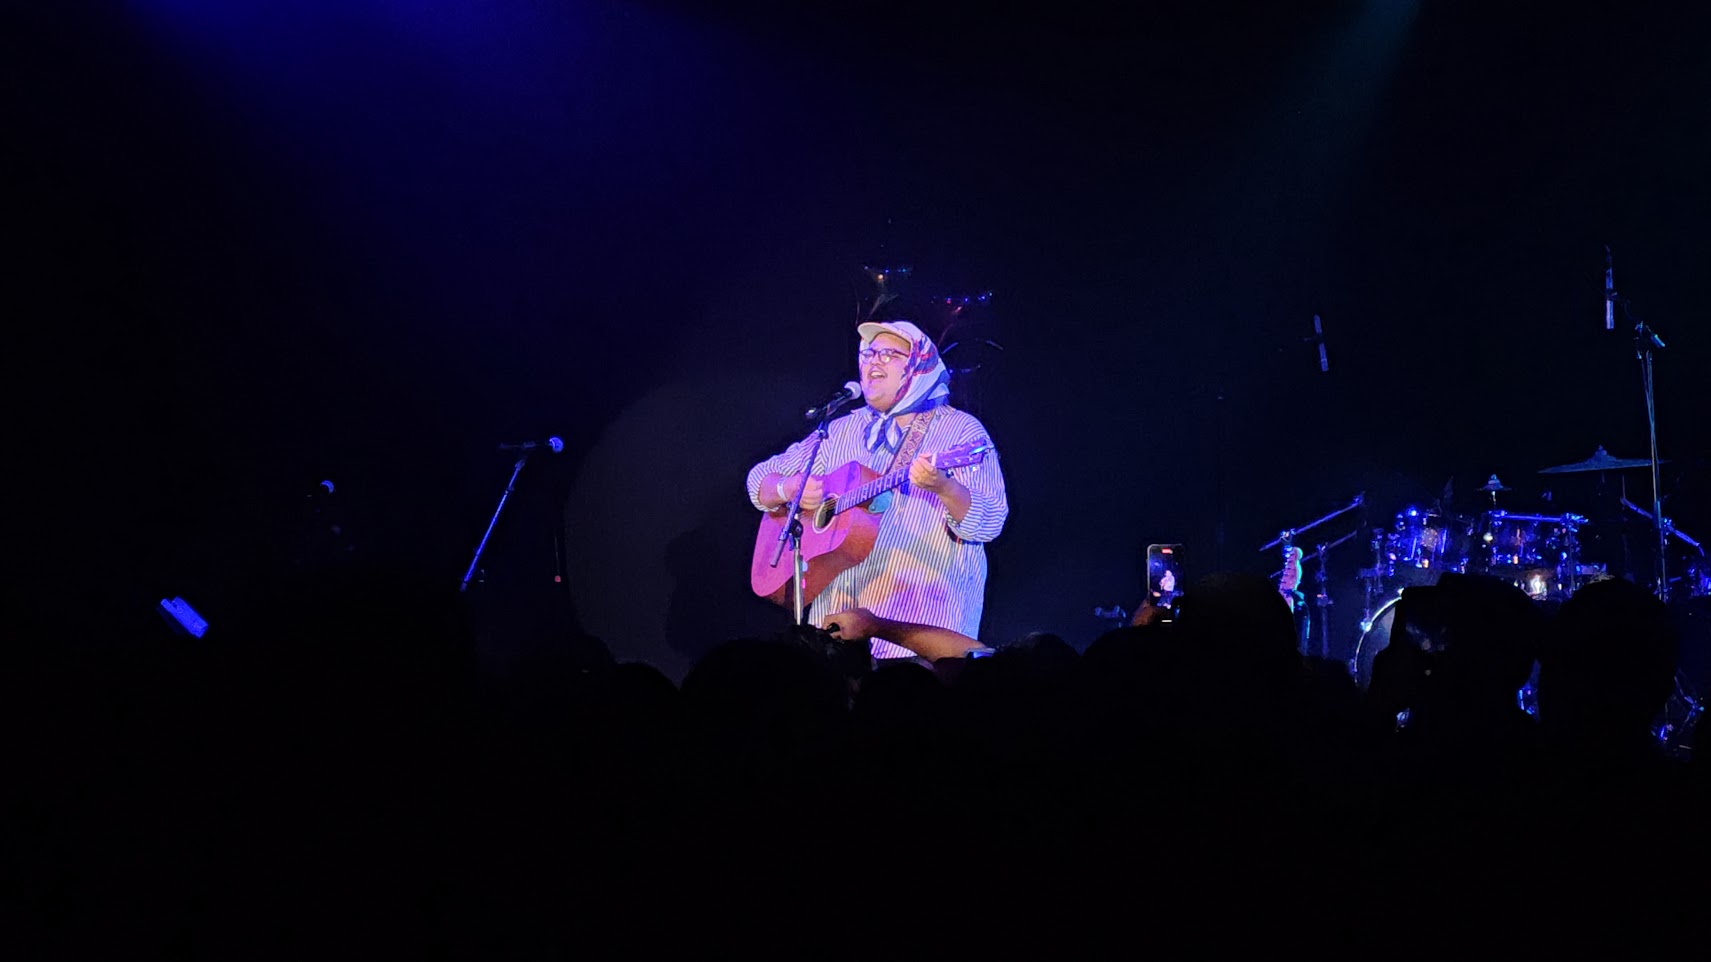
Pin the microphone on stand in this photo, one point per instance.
(849, 392)
(553, 444)
(1609, 292)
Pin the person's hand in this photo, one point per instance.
(924, 474)
(813, 493)
(1147, 614)
(856, 624)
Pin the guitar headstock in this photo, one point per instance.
(1291, 578)
(963, 455)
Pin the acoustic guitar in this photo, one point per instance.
(843, 529)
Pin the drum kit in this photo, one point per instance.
(1548, 556)
(1539, 553)
(1545, 553)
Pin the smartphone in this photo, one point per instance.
(1164, 575)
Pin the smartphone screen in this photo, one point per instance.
(1164, 574)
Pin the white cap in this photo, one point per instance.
(902, 329)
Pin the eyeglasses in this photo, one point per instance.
(884, 355)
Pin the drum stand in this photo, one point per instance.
(1322, 599)
(1372, 579)
(1670, 530)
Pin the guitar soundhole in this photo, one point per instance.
(824, 513)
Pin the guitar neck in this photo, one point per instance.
(870, 490)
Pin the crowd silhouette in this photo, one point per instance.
(333, 774)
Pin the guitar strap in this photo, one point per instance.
(912, 441)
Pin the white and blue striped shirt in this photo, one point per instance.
(924, 568)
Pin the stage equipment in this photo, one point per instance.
(1286, 541)
(553, 444)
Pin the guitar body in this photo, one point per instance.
(833, 541)
(843, 530)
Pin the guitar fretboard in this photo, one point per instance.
(869, 491)
(957, 457)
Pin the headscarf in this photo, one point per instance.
(926, 381)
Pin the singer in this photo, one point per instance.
(928, 564)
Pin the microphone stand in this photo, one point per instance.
(791, 534)
(1646, 339)
(509, 487)
(1287, 537)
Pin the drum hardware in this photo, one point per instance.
(1373, 578)
(1538, 553)
(1696, 575)
(1322, 598)
(1374, 638)
(1675, 725)
(1697, 578)
(1667, 525)
(1425, 543)
(1601, 460)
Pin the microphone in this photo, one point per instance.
(1319, 338)
(849, 392)
(1609, 292)
(555, 445)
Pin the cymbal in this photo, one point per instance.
(1496, 485)
(1600, 461)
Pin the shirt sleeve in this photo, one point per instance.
(988, 507)
(789, 462)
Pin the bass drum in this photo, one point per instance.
(1373, 639)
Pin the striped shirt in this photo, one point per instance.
(924, 567)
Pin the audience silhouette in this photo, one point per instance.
(331, 773)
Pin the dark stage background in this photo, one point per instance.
(261, 244)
